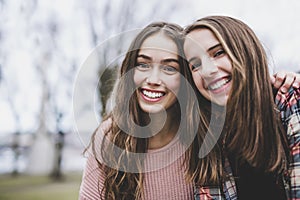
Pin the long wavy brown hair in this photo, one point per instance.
(252, 130)
(120, 182)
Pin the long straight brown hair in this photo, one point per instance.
(252, 131)
(119, 182)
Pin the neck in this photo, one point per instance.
(169, 129)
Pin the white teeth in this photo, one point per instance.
(152, 94)
(218, 84)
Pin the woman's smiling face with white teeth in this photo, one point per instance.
(210, 65)
(157, 74)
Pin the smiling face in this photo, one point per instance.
(156, 74)
(210, 65)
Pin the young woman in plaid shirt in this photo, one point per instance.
(257, 153)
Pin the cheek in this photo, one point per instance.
(174, 85)
(227, 64)
(137, 78)
(198, 81)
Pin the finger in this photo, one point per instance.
(272, 78)
(279, 79)
(289, 80)
(296, 83)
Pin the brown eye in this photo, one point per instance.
(219, 53)
(196, 66)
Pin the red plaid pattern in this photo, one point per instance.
(289, 107)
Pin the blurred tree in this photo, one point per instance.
(10, 85)
(12, 102)
(59, 145)
(41, 156)
(11, 90)
(61, 88)
(56, 74)
(17, 152)
(107, 80)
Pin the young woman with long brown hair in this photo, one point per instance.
(139, 152)
(257, 151)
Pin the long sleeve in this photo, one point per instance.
(93, 176)
(92, 180)
(289, 107)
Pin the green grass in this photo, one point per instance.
(39, 187)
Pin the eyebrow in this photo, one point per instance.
(167, 60)
(209, 49)
(215, 46)
(144, 56)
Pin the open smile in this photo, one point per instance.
(152, 95)
(219, 83)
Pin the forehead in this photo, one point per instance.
(199, 40)
(202, 35)
(159, 44)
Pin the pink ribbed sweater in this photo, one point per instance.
(163, 177)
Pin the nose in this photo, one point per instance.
(154, 76)
(209, 67)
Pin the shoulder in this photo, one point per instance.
(102, 130)
(93, 174)
(288, 104)
(289, 108)
(101, 134)
(93, 177)
(105, 126)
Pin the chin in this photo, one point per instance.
(152, 109)
(221, 101)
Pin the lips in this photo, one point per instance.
(215, 85)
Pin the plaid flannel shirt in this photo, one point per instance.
(288, 106)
